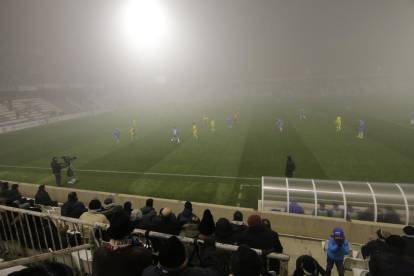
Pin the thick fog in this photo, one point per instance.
(205, 41)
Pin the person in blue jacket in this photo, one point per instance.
(337, 249)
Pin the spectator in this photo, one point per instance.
(187, 213)
(338, 247)
(42, 197)
(258, 237)
(295, 208)
(190, 230)
(321, 211)
(246, 262)
(306, 265)
(148, 212)
(158, 218)
(224, 233)
(392, 261)
(207, 226)
(128, 208)
(108, 207)
(237, 223)
(336, 212)
(172, 259)
(136, 218)
(409, 240)
(73, 208)
(374, 245)
(123, 255)
(92, 215)
(266, 224)
(14, 193)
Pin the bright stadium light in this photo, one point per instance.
(145, 26)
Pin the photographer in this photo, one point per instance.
(56, 168)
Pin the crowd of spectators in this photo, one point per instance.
(123, 253)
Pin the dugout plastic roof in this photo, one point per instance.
(377, 202)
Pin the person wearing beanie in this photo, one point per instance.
(92, 215)
(172, 259)
(267, 240)
(246, 262)
(238, 224)
(225, 234)
(409, 240)
(374, 245)
(187, 213)
(42, 197)
(308, 266)
(108, 207)
(136, 218)
(393, 260)
(167, 225)
(123, 255)
(338, 247)
(207, 226)
(73, 208)
(148, 212)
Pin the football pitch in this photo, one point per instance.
(224, 167)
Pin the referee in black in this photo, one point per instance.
(56, 168)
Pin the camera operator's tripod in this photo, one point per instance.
(71, 172)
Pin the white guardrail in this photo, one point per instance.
(29, 237)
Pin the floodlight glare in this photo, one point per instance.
(145, 25)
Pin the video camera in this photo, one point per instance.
(68, 159)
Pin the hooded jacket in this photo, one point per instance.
(186, 214)
(148, 214)
(73, 209)
(336, 252)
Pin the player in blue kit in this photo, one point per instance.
(361, 129)
(116, 135)
(175, 136)
(302, 113)
(280, 123)
(228, 122)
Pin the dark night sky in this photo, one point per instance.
(218, 39)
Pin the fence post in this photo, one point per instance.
(284, 268)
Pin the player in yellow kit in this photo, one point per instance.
(194, 130)
(338, 123)
(134, 123)
(132, 131)
(205, 119)
(213, 125)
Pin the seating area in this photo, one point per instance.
(71, 225)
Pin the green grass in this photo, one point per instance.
(240, 156)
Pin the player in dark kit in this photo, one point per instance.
(290, 167)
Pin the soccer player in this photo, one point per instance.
(194, 130)
(338, 123)
(116, 135)
(213, 125)
(412, 118)
(235, 119)
(174, 134)
(361, 129)
(348, 106)
(228, 122)
(134, 123)
(280, 123)
(302, 113)
(132, 131)
(205, 119)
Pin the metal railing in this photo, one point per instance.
(28, 237)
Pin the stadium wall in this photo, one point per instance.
(283, 223)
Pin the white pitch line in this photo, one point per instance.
(389, 121)
(140, 173)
